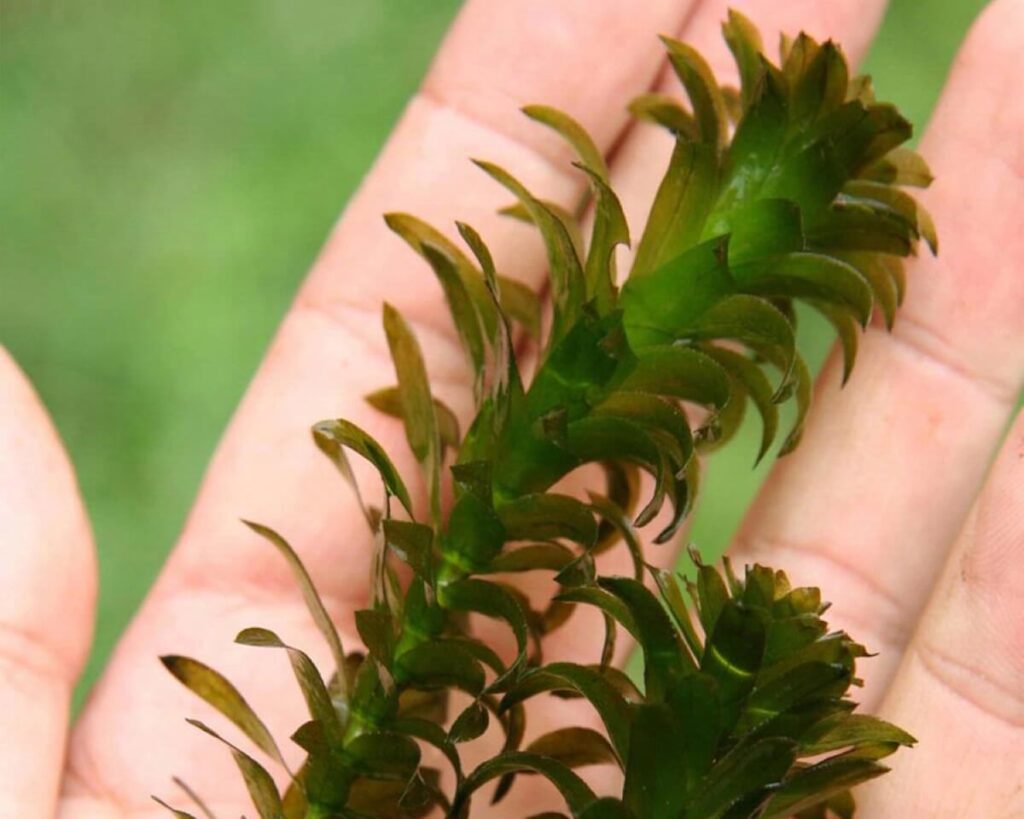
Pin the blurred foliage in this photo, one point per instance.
(169, 173)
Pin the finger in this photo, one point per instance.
(889, 466)
(643, 156)
(329, 353)
(48, 577)
(960, 687)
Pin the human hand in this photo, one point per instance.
(870, 521)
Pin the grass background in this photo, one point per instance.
(169, 171)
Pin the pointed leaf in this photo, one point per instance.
(744, 41)
(573, 133)
(548, 516)
(575, 791)
(819, 782)
(664, 657)
(334, 436)
(258, 782)
(567, 280)
(213, 687)
(316, 608)
(663, 110)
(680, 372)
(388, 401)
(611, 706)
(318, 699)
(430, 666)
(470, 724)
(574, 747)
(747, 771)
(548, 556)
(702, 88)
(490, 600)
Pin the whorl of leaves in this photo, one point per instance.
(786, 190)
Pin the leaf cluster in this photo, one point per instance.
(785, 190)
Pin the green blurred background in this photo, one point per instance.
(169, 172)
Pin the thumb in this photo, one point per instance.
(47, 597)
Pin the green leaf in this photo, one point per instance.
(846, 329)
(702, 88)
(547, 516)
(694, 701)
(851, 730)
(470, 724)
(806, 683)
(755, 384)
(465, 313)
(433, 734)
(617, 517)
(521, 304)
(383, 755)
(747, 771)
(377, 631)
(901, 166)
(575, 791)
(474, 536)
(658, 417)
(314, 604)
(663, 110)
(610, 229)
(878, 275)
(521, 213)
(712, 594)
(855, 226)
(656, 770)
(417, 402)
(733, 655)
(546, 556)
(603, 600)
(603, 695)
(180, 814)
(680, 372)
(574, 747)
(314, 691)
(388, 401)
(413, 543)
(680, 208)
(418, 234)
(812, 276)
(821, 88)
(819, 782)
(664, 657)
(215, 689)
(567, 279)
(429, 666)
(573, 133)
(803, 386)
(258, 782)
(490, 600)
(332, 437)
(744, 41)
(668, 587)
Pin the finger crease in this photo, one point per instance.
(558, 160)
(27, 660)
(973, 684)
(922, 340)
(357, 322)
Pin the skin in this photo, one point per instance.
(891, 505)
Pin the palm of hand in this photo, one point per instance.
(929, 405)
